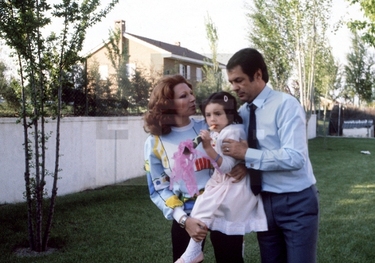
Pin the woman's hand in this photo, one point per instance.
(196, 229)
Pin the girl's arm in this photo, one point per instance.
(210, 151)
(234, 132)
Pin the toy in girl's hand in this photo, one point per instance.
(197, 140)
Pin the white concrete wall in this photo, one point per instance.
(359, 132)
(95, 151)
(311, 128)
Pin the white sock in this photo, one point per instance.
(192, 251)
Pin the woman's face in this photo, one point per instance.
(184, 100)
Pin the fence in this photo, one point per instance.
(95, 151)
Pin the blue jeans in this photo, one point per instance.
(293, 220)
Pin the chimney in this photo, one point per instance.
(178, 43)
(120, 24)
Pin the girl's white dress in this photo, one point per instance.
(229, 207)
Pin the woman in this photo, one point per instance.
(168, 120)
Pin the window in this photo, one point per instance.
(182, 70)
(103, 71)
(185, 71)
(130, 70)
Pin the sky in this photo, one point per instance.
(183, 21)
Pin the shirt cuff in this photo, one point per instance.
(252, 158)
(178, 212)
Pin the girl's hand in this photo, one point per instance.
(206, 138)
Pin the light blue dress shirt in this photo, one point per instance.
(283, 151)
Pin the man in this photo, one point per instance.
(288, 184)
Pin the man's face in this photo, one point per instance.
(246, 90)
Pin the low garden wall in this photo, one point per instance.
(95, 151)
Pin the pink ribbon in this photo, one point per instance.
(183, 168)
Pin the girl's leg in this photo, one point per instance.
(193, 253)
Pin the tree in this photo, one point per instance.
(359, 71)
(101, 100)
(328, 81)
(138, 93)
(270, 27)
(79, 92)
(3, 82)
(213, 77)
(310, 27)
(290, 34)
(366, 26)
(43, 58)
(9, 89)
(132, 87)
(118, 55)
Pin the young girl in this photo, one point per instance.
(226, 206)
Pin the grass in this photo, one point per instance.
(119, 223)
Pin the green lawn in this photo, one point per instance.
(119, 223)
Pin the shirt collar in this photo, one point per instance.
(259, 100)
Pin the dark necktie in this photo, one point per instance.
(255, 175)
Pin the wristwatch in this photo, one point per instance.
(183, 221)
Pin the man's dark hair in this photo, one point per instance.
(250, 61)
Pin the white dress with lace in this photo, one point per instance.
(225, 206)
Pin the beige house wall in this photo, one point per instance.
(101, 58)
(151, 61)
(145, 58)
(170, 66)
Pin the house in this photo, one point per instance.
(151, 57)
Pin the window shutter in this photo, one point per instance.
(188, 72)
(199, 74)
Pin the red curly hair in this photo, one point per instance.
(159, 117)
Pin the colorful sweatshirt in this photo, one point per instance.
(158, 153)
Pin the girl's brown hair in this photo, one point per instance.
(229, 103)
(159, 117)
